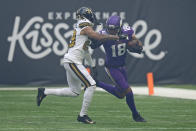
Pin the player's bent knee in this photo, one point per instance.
(76, 93)
(92, 87)
(121, 95)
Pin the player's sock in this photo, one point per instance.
(60, 92)
(88, 95)
(109, 88)
(131, 103)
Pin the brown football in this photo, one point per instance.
(134, 46)
(133, 43)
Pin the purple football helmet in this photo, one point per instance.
(113, 24)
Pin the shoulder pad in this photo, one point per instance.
(127, 30)
(84, 24)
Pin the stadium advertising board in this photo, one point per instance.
(34, 39)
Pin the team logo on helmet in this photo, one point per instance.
(87, 13)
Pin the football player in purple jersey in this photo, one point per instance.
(116, 52)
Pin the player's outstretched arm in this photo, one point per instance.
(135, 45)
(136, 41)
(94, 35)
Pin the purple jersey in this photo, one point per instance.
(116, 50)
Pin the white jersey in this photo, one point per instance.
(78, 48)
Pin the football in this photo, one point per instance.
(134, 46)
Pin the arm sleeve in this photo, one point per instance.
(95, 43)
(128, 31)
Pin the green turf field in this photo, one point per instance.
(18, 112)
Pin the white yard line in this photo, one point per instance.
(176, 93)
(158, 91)
(166, 92)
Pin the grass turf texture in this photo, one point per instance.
(18, 112)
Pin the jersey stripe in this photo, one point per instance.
(79, 74)
(110, 76)
(84, 24)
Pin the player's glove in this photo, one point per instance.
(136, 48)
(123, 37)
(95, 44)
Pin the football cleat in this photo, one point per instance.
(85, 119)
(40, 95)
(138, 118)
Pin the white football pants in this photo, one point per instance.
(76, 75)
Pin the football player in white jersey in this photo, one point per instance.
(73, 59)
